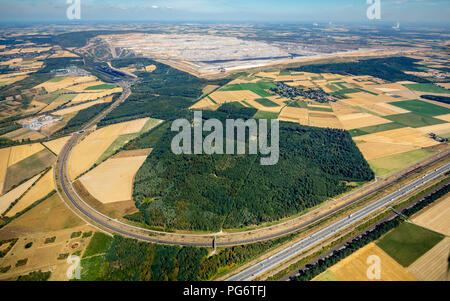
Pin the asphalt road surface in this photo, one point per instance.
(329, 231)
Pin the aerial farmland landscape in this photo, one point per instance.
(221, 143)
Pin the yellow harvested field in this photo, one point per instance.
(340, 108)
(437, 129)
(205, 103)
(63, 53)
(444, 85)
(304, 83)
(23, 133)
(324, 120)
(150, 68)
(444, 117)
(329, 76)
(51, 86)
(134, 126)
(56, 145)
(112, 181)
(272, 75)
(362, 98)
(41, 189)
(4, 158)
(86, 153)
(284, 78)
(354, 267)
(11, 79)
(230, 96)
(82, 97)
(80, 87)
(259, 106)
(390, 109)
(11, 196)
(209, 88)
(281, 101)
(20, 152)
(360, 120)
(83, 106)
(436, 217)
(133, 153)
(397, 89)
(299, 115)
(36, 105)
(433, 265)
(406, 136)
(320, 106)
(373, 150)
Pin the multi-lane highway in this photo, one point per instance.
(320, 236)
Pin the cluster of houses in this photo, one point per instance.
(316, 94)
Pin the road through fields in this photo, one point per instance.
(329, 231)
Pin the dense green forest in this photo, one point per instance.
(312, 270)
(443, 99)
(163, 94)
(132, 260)
(81, 118)
(202, 192)
(390, 69)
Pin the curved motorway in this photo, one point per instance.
(105, 223)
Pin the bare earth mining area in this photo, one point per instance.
(205, 55)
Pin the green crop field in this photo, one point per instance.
(414, 120)
(116, 145)
(99, 244)
(390, 164)
(266, 102)
(265, 115)
(421, 107)
(28, 168)
(430, 88)
(258, 88)
(100, 87)
(298, 104)
(375, 129)
(65, 98)
(56, 79)
(246, 103)
(409, 242)
(320, 109)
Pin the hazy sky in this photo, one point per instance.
(406, 11)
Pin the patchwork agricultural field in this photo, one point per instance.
(341, 128)
(388, 122)
(409, 242)
(433, 265)
(435, 217)
(112, 181)
(408, 252)
(354, 267)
